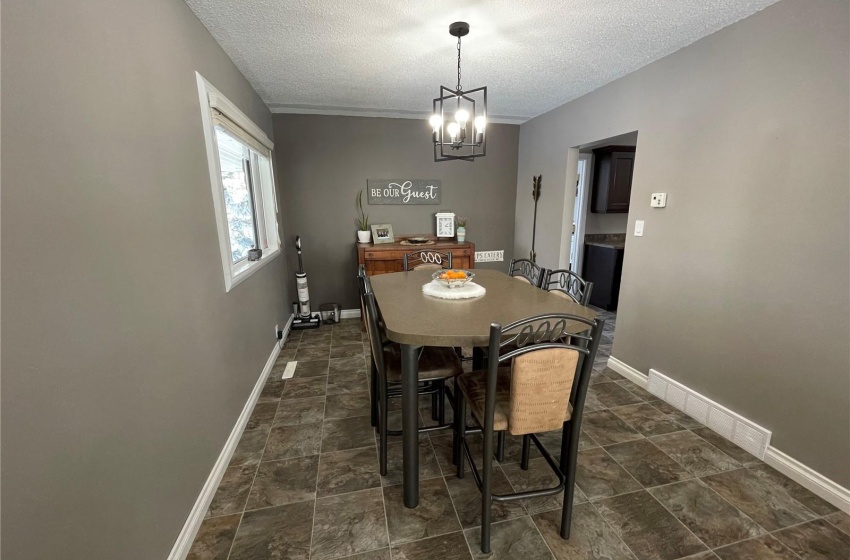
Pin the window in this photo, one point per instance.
(239, 155)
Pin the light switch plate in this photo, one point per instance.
(659, 200)
(638, 228)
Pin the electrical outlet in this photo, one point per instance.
(658, 200)
(278, 334)
(489, 256)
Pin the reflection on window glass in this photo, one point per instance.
(233, 157)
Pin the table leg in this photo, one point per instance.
(410, 423)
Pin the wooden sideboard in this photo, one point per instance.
(388, 257)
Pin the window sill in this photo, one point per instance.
(246, 269)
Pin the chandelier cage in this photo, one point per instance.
(459, 118)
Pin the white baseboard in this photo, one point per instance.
(349, 314)
(809, 478)
(287, 328)
(628, 372)
(803, 475)
(196, 516)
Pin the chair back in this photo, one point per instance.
(567, 283)
(427, 260)
(550, 370)
(525, 270)
(372, 330)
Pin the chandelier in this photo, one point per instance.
(463, 135)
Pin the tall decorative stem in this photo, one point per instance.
(535, 193)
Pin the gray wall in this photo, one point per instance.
(739, 288)
(322, 161)
(125, 364)
(606, 223)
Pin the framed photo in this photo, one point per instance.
(382, 233)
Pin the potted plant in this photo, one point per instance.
(461, 228)
(363, 233)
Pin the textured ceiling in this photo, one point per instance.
(389, 57)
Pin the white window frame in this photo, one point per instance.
(267, 216)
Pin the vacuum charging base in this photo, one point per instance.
(313, 321)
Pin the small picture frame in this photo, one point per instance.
(382, 233)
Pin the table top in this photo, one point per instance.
(411, 317)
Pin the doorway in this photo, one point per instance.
(602, 190)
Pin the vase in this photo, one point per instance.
(364, 236)
(461, 234)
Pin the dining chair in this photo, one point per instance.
(427, 260)
(527, 271)
(568, 284)
(543, 390)
(436, 365)
(438, 395)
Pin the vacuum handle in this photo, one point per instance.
(298, 248)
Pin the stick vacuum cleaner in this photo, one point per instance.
(303, 318)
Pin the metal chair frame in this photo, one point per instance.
(534, 333)
(529, 270)
(381, 390)
(568, 283)
(427, 256)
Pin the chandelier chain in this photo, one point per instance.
(458, 64)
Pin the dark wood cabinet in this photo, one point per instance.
(603, 266)
(612, 179)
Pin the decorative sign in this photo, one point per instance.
(404, 192)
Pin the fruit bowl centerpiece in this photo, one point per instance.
(453, 278)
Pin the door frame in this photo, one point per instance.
(583, 197)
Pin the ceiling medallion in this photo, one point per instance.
(463, 135)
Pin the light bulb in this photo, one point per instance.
(453, 129)
(480, 123)
(436, 122)
(462, 116)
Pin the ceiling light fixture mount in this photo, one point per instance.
(469, 112)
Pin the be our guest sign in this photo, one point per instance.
(403, 191)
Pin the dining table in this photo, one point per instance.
(413, 320)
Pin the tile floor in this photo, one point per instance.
(652, 482)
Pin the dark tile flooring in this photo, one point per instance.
(652, 482)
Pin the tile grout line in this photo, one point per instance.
(807, 508)
(319, 465)
(614, 529)
(610, 526)
(256, 470)
(446, 484)
(824, 517)
(736, 508)
(773, 535)
(645, 489)
(316, 491)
